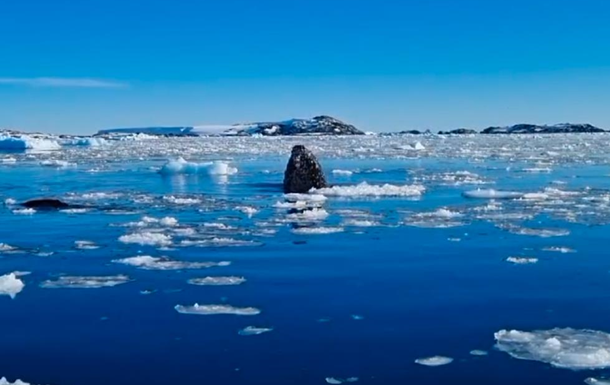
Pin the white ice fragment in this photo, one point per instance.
(337, 381)
(434, 361)
(86, 245)
(342, 172)
(217, 281)
(84, 282)
(253, 331)
(367, 190)
(147, 239)
(521, 260)
(147, 262)
(11, 285)
(477, 352)
(197, 309)
(317, 230)
(562, 348)
(492, 194)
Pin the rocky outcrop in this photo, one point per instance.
(303, 172)
(458, 131)
(564, 128)
(319, 125)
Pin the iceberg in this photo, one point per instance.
(85, 282)
(368, 190)
(562, 348)
(181, 166)
(147, 262)
(25, 142)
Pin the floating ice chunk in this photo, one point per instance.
(295, 197)
(314, 214)
(337, 381)
(28, 211)
(168, 221)
(147, 239)
(217, 242)
(563, 348)
(543, 233)
(8, 160)
(147, 262)
(197, 309)
(25, 142)
(536, 196)
(367, 190)
(57, 163)
(181, 166)
(522, 260)
(10, 202)
(85, 282)
(563, 250)
(360, 223)
(5, 248)
(418, 146)
(588, 381)
(11, 285)
(477, 352)
(249, 211)
(181, 200)
(75, 211)
(492, 194)
(253, 331)
(317, 230)
(342, 172)
(86, 245)
(217, 281)
(434, 361)
(85, 142)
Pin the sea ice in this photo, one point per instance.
(217, 281)
(317, 230)
(521, 260)
(563, 348)
(367, 190)
(337, 381)
(197, 309)
(147, 239)
(434, 361)
(147, 262)
(492, 194)
(253, 331)
(4, 381)
(11, 285)
(181, 166)
(84, 282)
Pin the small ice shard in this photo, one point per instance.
(85, 245)
(317, 230)
(217, 281)
(492, 194)
(5, 248)
(147, 262)
(434, 361)
(253, 331)
(11, 285)
(313, 214)
(197, 309)
(477, 352)
(342, 172)
(24, 211)
(357, 317)
(588, 381)
(521, 260)
(85, 282)
(147, 239)
(563, 250)
(562, 348)
(249, 211)
(337, 381)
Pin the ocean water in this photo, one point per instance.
(352, 284)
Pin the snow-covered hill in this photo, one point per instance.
(319, 125)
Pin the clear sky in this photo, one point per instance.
(384, 65)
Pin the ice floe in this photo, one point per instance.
(253, 331)
(147, 239)
(342, 172)
(217, 281)
(434, 361)
(338, 381)
(86, 245)
(563, 348)
(369, 190)
(492, 194)
(4, 381)
(522, 260)
(85, 282)
(197, 309)
(317, 230)
(593, 381)
(478, 352)
(147, 262)
(26, 142)
(11, 285)
(181, 166)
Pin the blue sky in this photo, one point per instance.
(79, 66)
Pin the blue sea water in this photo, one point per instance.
(365, 302)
